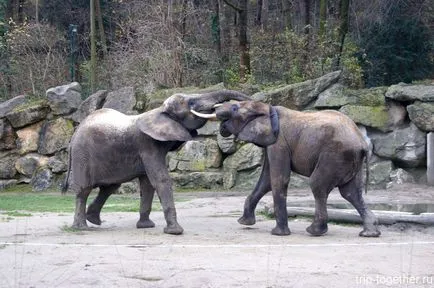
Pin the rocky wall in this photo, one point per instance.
(34, 135)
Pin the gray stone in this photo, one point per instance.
(92, 103)
(42, 179)
(405, 145)
(206, 180)
(4, 184)
(24, 116)
(298, 181)
(229, 178)
(55, 136)
(422, 115)
(209, 129)
(9, 105)
(59, 162)
(7, 164)
(64, 99)
(122, 100)
(247, 179)
(28, 138)
(249, 156)
(406, 92)
(400, 176)
(384, 118)
(298, 96)
(7, 135)
(196, 155)
(430, 159)
(227, 145)
(379, 173)
(129, 187)
(28, 164)
(337, 96)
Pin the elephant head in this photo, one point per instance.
(250, 121)
(181, 114)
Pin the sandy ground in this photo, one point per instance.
(215, 251)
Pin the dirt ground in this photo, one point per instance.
(215, 251)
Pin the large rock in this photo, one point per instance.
(406, 146)
(42, 179)
(384, 118)
(28, 164)
(196, 180)
(7, 164)
(4, 184)
(337, 96)
(209, 129)
(247, 179)
(379, 173)
(7, 135)
(122, 100)
(406, 92)
(59, 162)
(196, 155)
(298, 96)
(28, 138)
(227, 145)
(92, 103)
(55, 136)
(400, 176)
(249, 156)
(27, 114)
(64, 99)
(9, 105)
(422, 115)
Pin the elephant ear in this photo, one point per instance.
(161, 127)
(262, 130)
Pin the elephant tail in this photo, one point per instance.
(65, 184)
(366, 155)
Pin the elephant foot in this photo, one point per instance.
(246, 220)
(79, 225)
(373, 232)
(145, 224)
(94, 218)
(279, 231)
(317, 230)
(175, 229)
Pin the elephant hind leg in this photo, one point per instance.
(80, 207)
(353, 193)
(94, 209)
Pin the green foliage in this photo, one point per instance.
(399, 49)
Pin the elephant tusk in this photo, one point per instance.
(217, 105)
(206, 116)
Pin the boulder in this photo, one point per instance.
(28, 164)
(247, 179)
(7, 164)
(384, 118)
(211, 128)
(92, 103)
(298, 181)
(422, 115)
(42, 179)
(4, 184)
(59, 162)
(122, 100)
(196, 155)
(248, 157)
(379, 173)
(64, 99)
(28, 138)
(337, 96)
(406, 92)
(206, 180)
(9, 105)
(400, 176)
(227, 145)
(406, 146)
(130, 187)
(299, 95)
(55, 136)
(7, 135)
(28, 114)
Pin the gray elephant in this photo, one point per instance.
(325, 145)
(109, 148)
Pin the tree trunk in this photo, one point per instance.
(343, 29)
(102, 38)
(258, 17)
(92, 47)
(286, 14)
(322, 18)
(215, 30)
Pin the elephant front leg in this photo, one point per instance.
(160, 179)
(262, 187)
(146, 198)
(80, 208)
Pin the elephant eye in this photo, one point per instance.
(234, 108)
(190, 103)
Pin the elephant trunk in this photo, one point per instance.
(208, 100)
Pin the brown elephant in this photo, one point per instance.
(324, 145)
(110, 148)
